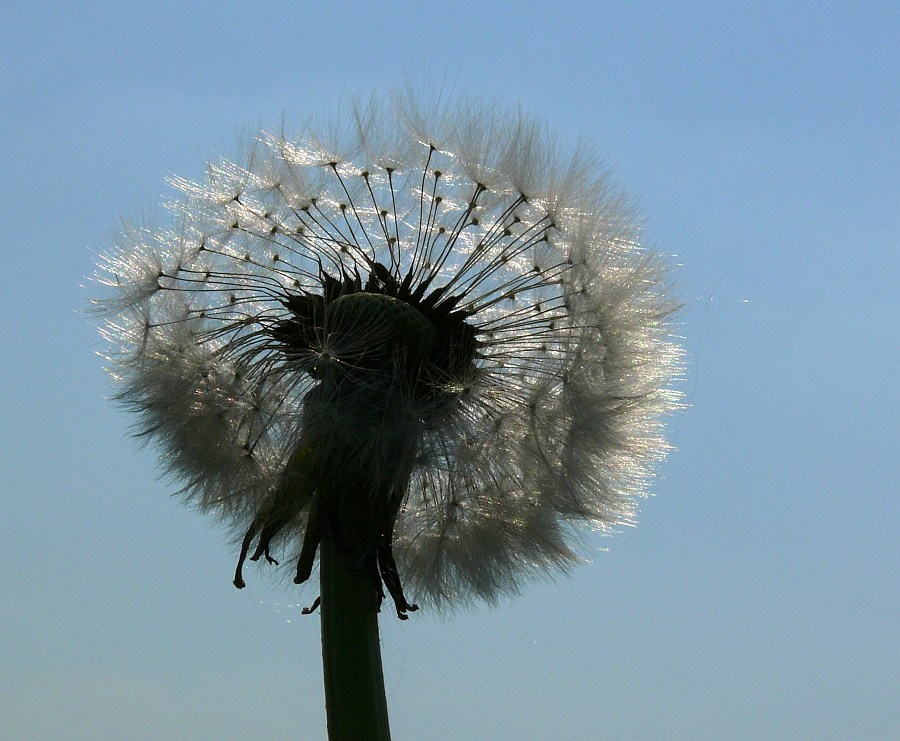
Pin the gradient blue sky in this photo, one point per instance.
(757, 599)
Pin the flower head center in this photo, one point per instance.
(382, 327)
(385, 329)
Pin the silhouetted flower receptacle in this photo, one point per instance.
(438, 344)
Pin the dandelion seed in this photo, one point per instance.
(437, 345)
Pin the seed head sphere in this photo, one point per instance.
(425, 333)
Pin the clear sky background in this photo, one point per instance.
(758, 597)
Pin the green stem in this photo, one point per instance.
(355, 702)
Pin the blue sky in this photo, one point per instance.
(758, 597)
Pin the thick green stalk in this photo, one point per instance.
(355, 702)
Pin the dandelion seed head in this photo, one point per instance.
(432, 336)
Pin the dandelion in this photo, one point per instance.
(426, 346)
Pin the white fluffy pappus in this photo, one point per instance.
(429, 336)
